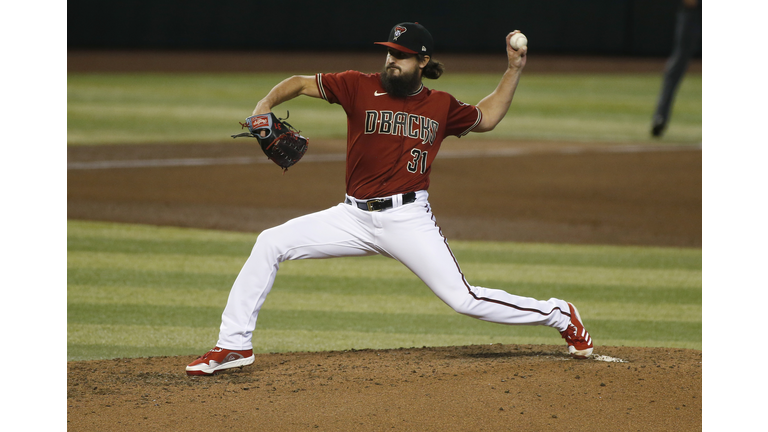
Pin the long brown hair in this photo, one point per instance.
(433, 69)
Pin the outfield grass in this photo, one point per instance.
(147, 108)
(137, 291)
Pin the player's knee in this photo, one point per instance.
(462, 304)
(267, 236)
(267, 243)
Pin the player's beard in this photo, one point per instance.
(401, 85)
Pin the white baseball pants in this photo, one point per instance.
(407, 233)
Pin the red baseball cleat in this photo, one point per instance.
(579, 341)
(218, 359)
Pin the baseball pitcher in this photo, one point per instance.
(395, 128)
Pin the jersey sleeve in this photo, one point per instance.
(462, 117)
(339, 88)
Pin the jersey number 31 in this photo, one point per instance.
(419, 161)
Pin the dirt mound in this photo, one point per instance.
(489, 388)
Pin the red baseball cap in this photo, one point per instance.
(411, 38)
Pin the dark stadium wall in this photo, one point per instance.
(590, 27)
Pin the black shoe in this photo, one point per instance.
(658, 126)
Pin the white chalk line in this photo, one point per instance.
(608, 359)
(339, 157)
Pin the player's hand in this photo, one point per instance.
(516, 58)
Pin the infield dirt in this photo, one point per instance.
(550, 192)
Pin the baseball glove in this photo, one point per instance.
(279, 140)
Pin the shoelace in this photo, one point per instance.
(205, 356)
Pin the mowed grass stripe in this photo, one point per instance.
(455, 324)
(380, 267)
(578, 255)
(94, 342)
(113, 231)
(158, 246)
(600, 293)
(87, 285)
(371, 302)
(158, 280)
(180, 262)
(466, 252)
(277, 300)
(104, 237)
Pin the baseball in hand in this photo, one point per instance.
(518, 40)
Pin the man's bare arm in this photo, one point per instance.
(286, 90)
(495, 106)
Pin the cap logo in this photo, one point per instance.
(399, 31)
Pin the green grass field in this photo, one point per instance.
(147, 108)
(136, 291)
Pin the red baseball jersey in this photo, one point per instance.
(392, 142)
